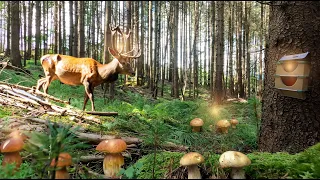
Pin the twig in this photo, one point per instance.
(102, 113)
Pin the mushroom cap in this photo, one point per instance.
(196, 122)
(223, 123)
(191, 158)
(112, 146)
(233, 159)
(64, 159)
(19, 134)
(234, 121)
(12, 145)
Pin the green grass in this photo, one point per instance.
(167, 120)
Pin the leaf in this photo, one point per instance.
(130, 172)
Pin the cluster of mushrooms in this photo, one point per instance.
(229, 159)
(14, 143)
(222, 126)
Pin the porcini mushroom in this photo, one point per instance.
(191, 160)
(235, 160)
(234, 122)
(64, 160)
(113, 159)
(196, 124)
(223, 126)
(10, 148)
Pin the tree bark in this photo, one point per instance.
(290, 124)
(38, 38)
(7, 52)
(220, 53)
(71, 39)
(15, 30)
(81, 43)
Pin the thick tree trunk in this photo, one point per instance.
(220, 53)
(195, 50)
(15, 29)
(140, 77)
(175, 51)
(213, 44)
(290, 124)
(71, 39)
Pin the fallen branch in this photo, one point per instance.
(38, 120)
(102, 113)
(95, 138)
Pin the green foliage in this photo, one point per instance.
(307, 164)
(268, 165)
(25, 171)
(45, 147)
(132, 172)
(164, 162)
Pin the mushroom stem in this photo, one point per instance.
(233, 126)
(62, 173)
(194, 172)
(196, 129)
(12, 157)
(237, 173)
(112, 163)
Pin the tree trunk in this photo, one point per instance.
(15, 30)
(38, 32)
(150, 67)
(213, 43)
(56, 26)
(7, 53)
(24, 34)
(75, 30)
(240, 83)
(175, 50)
(195, 50)
(260, 54)
(248, 41)
(140, 73)
(81, 43)
(231, 30)
(290, 124)
(220, 53)
(71, 38)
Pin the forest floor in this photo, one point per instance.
(157, 132)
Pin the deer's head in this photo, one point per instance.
(125, 60)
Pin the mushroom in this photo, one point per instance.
(196, 124)
(234, 122)
(191, 160)
(10, 148)
(64, 160)
(223, 126)
(113, 159)
(235, 160)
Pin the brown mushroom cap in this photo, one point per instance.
(112, 146)
(191, 158)
(196, 122)
(64, 159)
(12, 145)
(17, 133)
(233, 159)
(223, 123)
(234, 121)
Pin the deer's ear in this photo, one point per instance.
(57, 57)
(113, 52)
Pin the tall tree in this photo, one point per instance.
(24, 34)
(71, 38)
(7, 52)
(15, 29)
(291, 124)
(260, 54)
(81, 42)
(175, 50)
(195, 50)
(38, 33)
(141, 60)
(213, 45)
(56, 26)
(231, 30)
(75, 30)
(149, 62)
(248, 40)
(220, 53)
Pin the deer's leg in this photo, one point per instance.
(89, 93)
(86, 97)
(40, 83)
(47, 83)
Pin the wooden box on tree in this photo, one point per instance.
(292, 75)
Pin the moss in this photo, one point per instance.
(164, 162)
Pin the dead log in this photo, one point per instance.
(96, 139)
(32, 90)
(38, 120)
(102, 113)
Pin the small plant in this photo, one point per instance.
(45, 147)
(25, 171)
(132, 172)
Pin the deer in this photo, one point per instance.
(88, 72)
